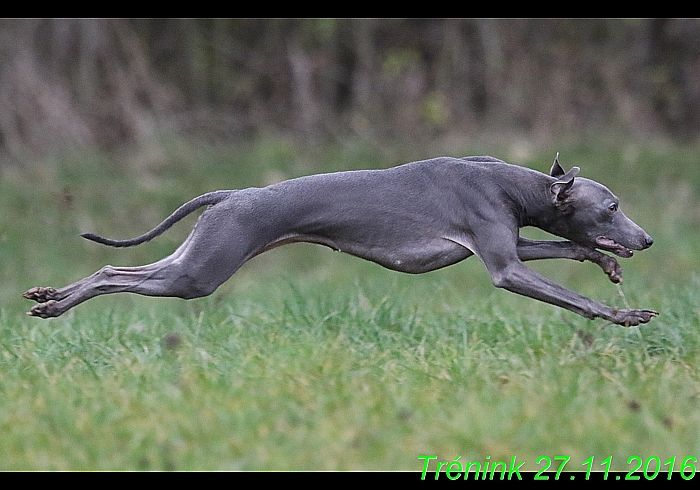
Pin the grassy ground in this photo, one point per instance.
(309, 359)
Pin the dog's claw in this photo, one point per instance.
(44, 310)
(40, 294)
(632, 318)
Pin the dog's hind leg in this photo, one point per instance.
(149, 280)
(553, 249)
(211, 254)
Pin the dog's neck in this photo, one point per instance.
(535, 207)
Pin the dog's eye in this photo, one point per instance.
(612, 208)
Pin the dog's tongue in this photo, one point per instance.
(613, 246)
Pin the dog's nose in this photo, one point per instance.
(649, 241)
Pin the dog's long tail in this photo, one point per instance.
(187, 208)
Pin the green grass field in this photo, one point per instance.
(313, 360)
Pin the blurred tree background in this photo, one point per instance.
(111, 84)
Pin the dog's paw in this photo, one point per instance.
(632, 318)
(612, 268)
(48, 309)
(40, 294)
(609, 265)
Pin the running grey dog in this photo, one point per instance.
(413, 218)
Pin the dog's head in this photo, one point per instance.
(589, 214)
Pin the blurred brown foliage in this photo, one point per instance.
(109, 83)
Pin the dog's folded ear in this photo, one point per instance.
(561, 189)
(556, 170)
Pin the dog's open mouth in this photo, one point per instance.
(612, 246)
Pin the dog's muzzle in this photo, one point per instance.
(620, 250)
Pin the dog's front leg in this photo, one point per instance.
(519, 279)
(497, 248)
(552, 249)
